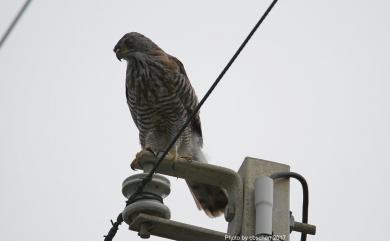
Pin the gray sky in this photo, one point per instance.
(310, 90)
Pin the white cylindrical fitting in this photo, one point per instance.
(264, 198)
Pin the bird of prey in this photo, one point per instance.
(161, 98)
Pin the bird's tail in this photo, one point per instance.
(211, 199)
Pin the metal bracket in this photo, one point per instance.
(301, 227)
(148, 225)
(208, 174)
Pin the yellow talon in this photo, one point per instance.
(135, 164)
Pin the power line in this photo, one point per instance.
(14, 22)
(205, 97)
(148, 178)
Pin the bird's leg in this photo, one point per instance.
(139, 156)
(185, 155)
(172, 156)
(185, 158)
(185, 152)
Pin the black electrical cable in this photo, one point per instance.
(147, 179)
(305, 189)
(205, 97)
(13, 23)
(115, 225)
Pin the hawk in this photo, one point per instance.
(160, 98)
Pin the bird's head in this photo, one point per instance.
(132, 43)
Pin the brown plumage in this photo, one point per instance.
(161, 98)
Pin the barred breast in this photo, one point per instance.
(155, 96)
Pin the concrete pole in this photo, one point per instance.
(250, 169)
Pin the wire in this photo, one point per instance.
(14, 22)
(114, 228)
(148, 178)
(305, 189)
(205, 97)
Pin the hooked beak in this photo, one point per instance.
(119, 54)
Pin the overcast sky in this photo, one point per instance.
(311, 90)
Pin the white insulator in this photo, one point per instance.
(264, 193)
(149, 200)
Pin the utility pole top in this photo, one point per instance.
(250, 169)
(258, 201)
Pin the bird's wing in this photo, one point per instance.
(188, 98)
